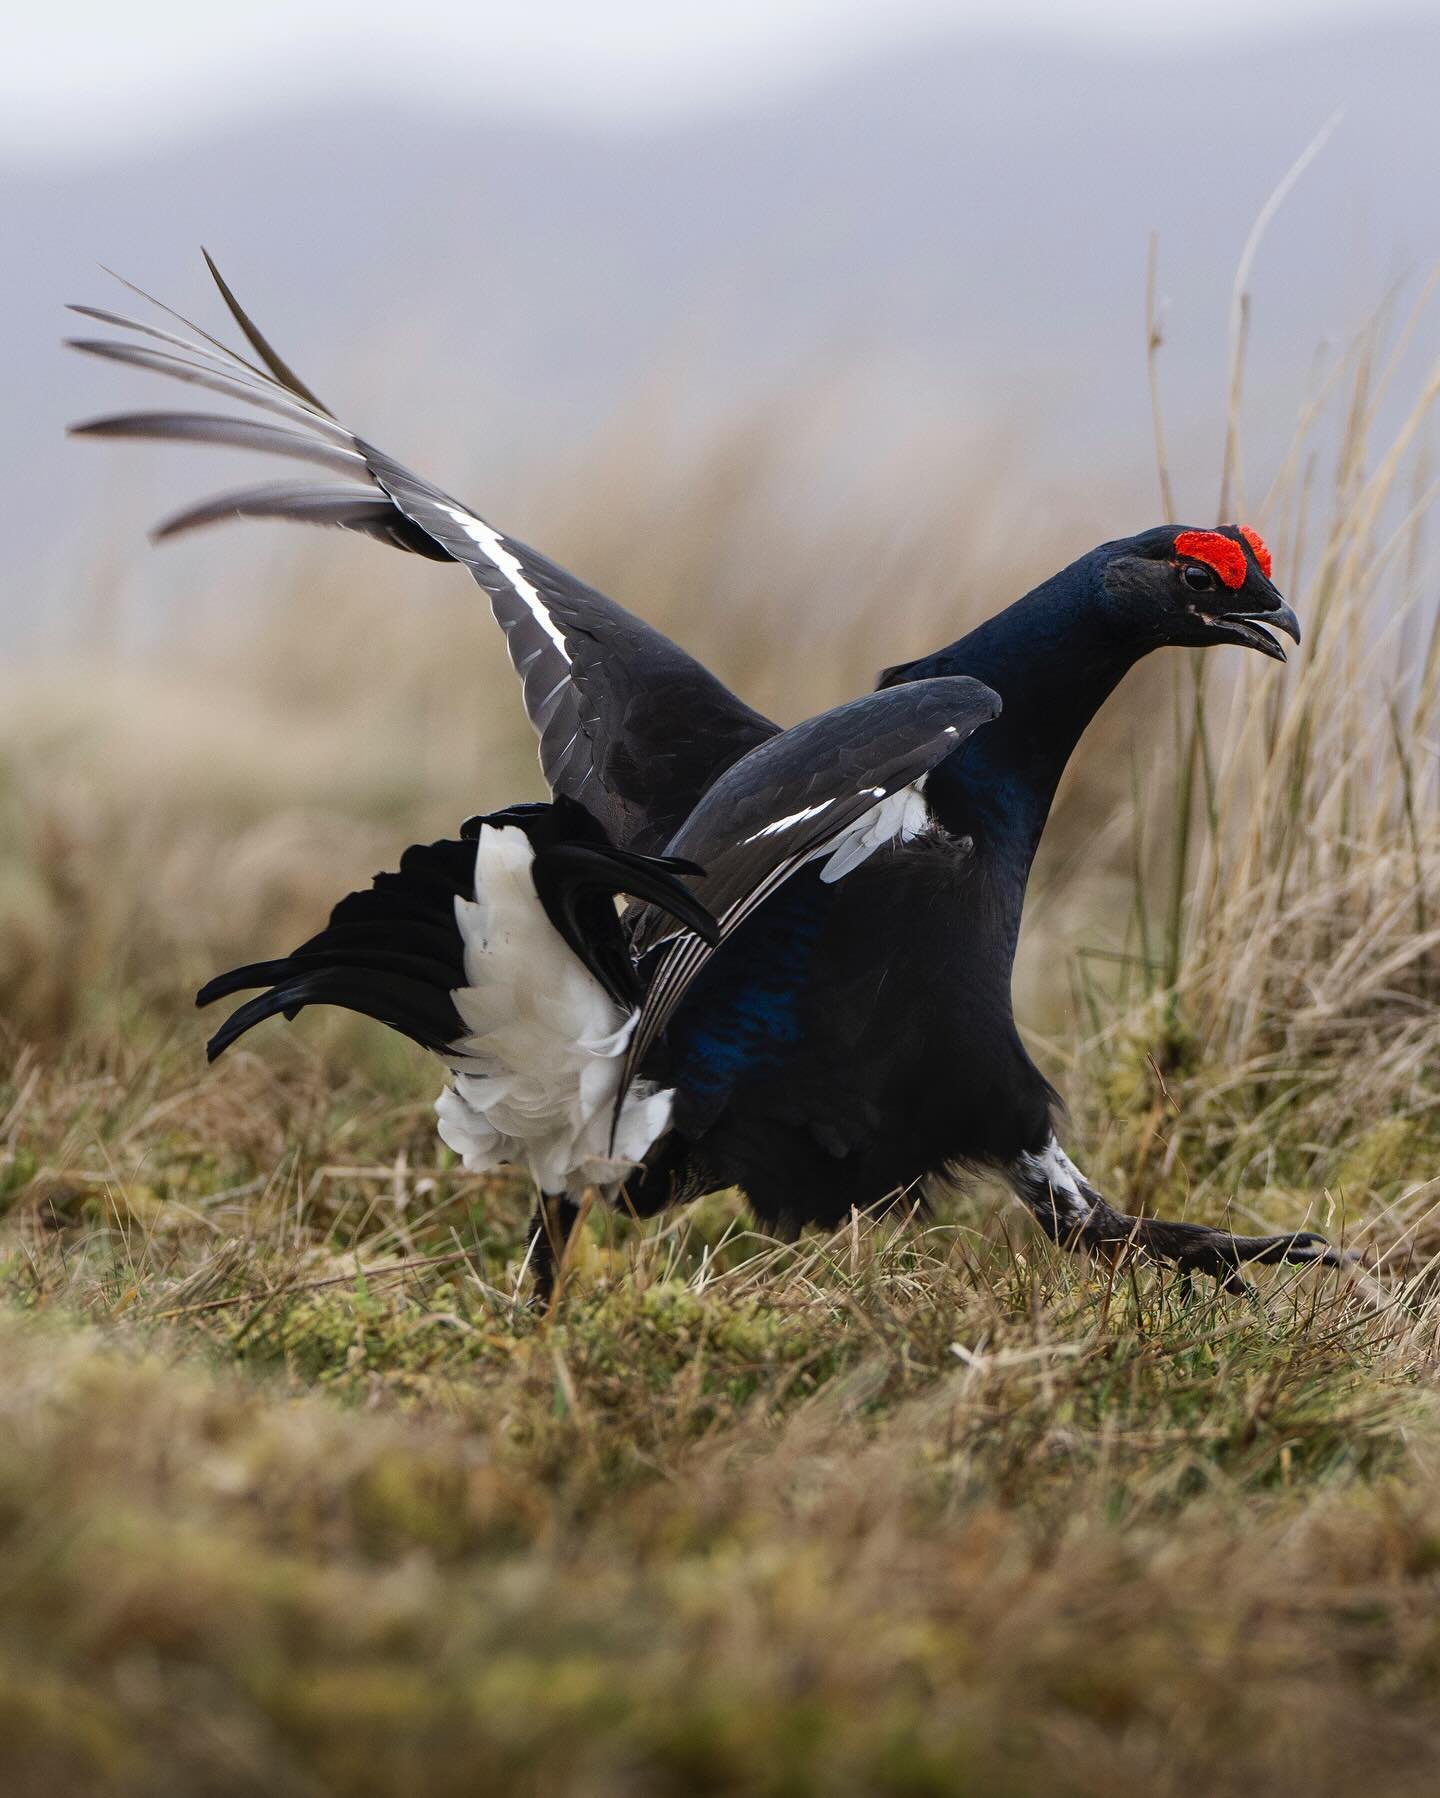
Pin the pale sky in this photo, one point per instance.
(76, 73)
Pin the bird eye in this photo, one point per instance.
(1197, 578)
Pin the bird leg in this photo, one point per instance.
(1070, 1211)
(553, 1227)
(551, 1223)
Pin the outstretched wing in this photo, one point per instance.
(839, 786)
(629, 724)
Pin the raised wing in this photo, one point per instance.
(629, 724)
(839, 786)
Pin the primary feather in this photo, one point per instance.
(600, 686)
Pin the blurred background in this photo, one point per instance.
(812, 331)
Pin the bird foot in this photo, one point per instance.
(1196, 1249)
(1070, 1211)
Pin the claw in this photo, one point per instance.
(1069, 1210)
(1194, 1249)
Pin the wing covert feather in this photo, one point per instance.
(801, 795)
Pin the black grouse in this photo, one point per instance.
(822, 1017)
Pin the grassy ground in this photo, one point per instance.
(297, 1497)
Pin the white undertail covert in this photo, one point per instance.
(536, 1074)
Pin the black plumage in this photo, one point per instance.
(787, 802)
(850, 1036)
(393, 952)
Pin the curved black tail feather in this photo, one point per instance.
(394, 952)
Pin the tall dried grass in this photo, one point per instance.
(1297, 954)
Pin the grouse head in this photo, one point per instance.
(1195, 588)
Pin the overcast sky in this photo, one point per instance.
(77, 73)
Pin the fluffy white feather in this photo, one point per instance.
(536, 1074)
(894, 820)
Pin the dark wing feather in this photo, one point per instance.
(218, 354)
(629, 724)
(231, 433)
(250, 390)
(281, 370)
(790, 800)
(222, 349)
(308, 502)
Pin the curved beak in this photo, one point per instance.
(1251, 626)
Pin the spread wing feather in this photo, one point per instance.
(309, 502)
(230, 433)
(251, 390)
(629, 724)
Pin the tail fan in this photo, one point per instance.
(391, 952)
(394, 952)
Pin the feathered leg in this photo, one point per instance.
(1070, 1211)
